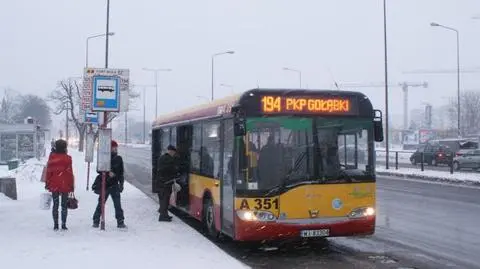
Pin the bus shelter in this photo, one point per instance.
(21, 141)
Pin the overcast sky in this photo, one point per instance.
(42, 42)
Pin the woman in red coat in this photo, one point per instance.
(59, 180)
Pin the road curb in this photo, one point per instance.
(430, 178)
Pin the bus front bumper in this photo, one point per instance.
(292, 229)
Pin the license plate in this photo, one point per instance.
(315, 233)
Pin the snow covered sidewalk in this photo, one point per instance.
(441, 176)
(27, 239)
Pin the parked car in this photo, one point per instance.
(466, 147)
(432, 154)
(469, 159)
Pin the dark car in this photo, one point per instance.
(432, 155)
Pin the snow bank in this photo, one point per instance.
(4, 171)
(456, 177)
(30, 170)
(28, 241)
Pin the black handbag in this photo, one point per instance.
(72, 202)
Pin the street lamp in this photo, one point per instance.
(203, 97)
(434, 24)
(213, 66)
(227, 86)
(88, 39)
(155, 71)
(295, 70)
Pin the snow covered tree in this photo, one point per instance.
(469, 112)
(8, 107)
(33, 106)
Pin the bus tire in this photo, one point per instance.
(209, 218)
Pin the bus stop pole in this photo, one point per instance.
(104, 125)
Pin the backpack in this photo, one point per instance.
(97, 184)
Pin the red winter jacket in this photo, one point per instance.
(59, 173)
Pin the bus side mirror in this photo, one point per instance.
(239, 127)
(378, 126)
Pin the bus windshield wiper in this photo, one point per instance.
(287, 178)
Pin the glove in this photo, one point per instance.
(46, 187)
(120, 187)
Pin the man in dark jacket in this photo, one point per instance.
(114, 186)
(167, 170)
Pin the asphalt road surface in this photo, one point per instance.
(419, 225)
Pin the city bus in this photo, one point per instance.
(275, 164)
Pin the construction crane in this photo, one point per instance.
(403, 85)
(443, 71)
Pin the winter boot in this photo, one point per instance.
(55, 226)
(64, 227)
(164, 218)
(121, 225)
(95, 225)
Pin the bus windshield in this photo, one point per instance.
(283, 151)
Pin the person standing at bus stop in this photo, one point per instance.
(167, 170)
(114, 186)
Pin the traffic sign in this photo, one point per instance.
(106, 93)
(87, 93)
(91, 117)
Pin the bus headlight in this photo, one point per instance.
(248, 215)
(362, 212)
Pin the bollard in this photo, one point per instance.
(422, 161)
(396, 160)
(451, 165)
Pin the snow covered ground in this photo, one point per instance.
(456, 177)
(27, 239)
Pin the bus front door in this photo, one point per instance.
(227, 180)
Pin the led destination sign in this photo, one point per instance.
(307, 105)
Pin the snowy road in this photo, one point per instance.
(418, 222)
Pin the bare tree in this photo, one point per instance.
(469, 112)
(68, 97)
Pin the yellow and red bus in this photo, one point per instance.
(274, 164)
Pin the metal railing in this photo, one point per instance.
(395, 158)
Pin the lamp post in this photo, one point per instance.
(297, 71)
(87, 41)
(227, 86)
(434, 24)
(213, 66)
(203, 97)
(387, 142)
(155, 71)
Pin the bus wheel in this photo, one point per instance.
(209, 219)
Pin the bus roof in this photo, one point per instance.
(206, 110)
(223, 106)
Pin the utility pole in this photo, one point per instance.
(126, 128)
(387, 146)
(66, 124)
(144, 98)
